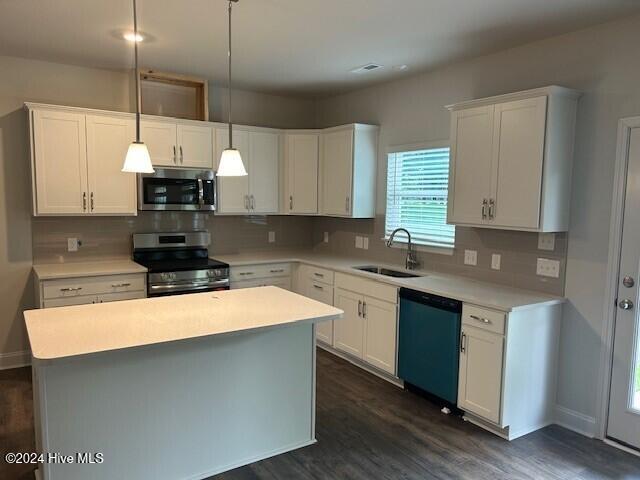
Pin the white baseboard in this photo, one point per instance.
(15, 359)
(576, 421)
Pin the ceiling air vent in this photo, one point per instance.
(369, 67)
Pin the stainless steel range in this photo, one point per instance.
(179, 263)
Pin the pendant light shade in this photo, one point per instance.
(230, 161)
(138, 159)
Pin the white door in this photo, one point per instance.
(160, 138)
(264, 154)
(480, 379)
(322, 293)
(195, 146)
(337, 167)
(519, 134)
(470, 172)
(624, 401)
(302, 173)
(348, 332)
(380, 334)
(60, 161)
(111, 191)
(233, 192)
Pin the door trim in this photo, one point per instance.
(625, 125)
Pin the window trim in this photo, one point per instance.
(399, 243)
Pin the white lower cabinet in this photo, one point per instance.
(380, 334)
(262, 275)
(322, 293)
(348, 333)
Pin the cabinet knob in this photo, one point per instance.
(625, 304)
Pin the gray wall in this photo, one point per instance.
(603, 63)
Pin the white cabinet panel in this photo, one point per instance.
(471, 154)
(519, 136)
(195, 146)
(337, 166)
(264, 168)
(111, 191)
(60, 162)
(161, 140)
(380, 334)
(322, 293)
(348, 332)
(233, 192)
(302, 173)
(480, 379)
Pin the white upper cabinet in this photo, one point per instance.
(511, 160)
(111, 191)
(179, 145)
(349, 159)
(264, 164)
(301, 175)
(76, 163)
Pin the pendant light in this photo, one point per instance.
(230, 161)
(138, 159)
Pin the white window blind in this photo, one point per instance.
(417, 192)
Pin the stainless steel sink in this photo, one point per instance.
(387, 272)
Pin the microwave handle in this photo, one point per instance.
(200, 193)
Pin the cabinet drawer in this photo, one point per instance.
(67, 302)
(248, 272)
(483, 318)
(282, 282)
(116, 297)
(76, 287)
(371, 288)
(318, 274)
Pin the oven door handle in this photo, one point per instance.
(189, 286)
(200, 193)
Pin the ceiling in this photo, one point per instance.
(297, 47)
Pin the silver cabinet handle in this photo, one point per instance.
(463, 337)
(625, 304)
(492, 204)
(84, 201)
(279, 270)
(181, 155)
(481, 319)
(359, 308)
(318, 287)
(253, 202)
(246, 202)
(175, 158)
(71, 289)
(346, 205)
(484, 208)
(364, 309)
(120, 285)
(247, 273)
(321, 275)
(92, 203)
(290, 202)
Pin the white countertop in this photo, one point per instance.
(63, 332)
(485, 294)
(50, 271)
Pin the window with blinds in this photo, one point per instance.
(417, 192)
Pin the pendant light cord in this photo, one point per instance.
(135, 55)
(229, 86)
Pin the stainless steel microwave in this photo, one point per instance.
(177, 189)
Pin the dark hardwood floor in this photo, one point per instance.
(369, 429)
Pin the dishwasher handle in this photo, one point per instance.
(442, 303)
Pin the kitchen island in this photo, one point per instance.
(179, 387)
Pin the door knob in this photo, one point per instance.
(625, 304)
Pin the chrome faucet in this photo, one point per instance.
(411, 262)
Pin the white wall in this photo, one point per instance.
(603, 63)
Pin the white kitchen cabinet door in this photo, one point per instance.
(60, 163)
(195, 146)
(480, 379)
(233, 192)
(337, 169)
(322, 293)
(264, 158)
(380, 334)
(67, 302)
(348, 332)
(119, 296)
(302, 173)
(111, 191)
(519, 139)
(471, 167)
(161, 140)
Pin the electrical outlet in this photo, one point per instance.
(72, 244)
(365, 243)
(359, 241)
(548, 268)
(495, 261)
(547, 241)
(272, 237)
(326, 237)
(470, 257)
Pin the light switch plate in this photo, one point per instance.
(72, 244)
(495, 261)
(359, 242)
(470, 257)
(326, 237)
(272, 237)
(365, 243)
(548, 268)
(547, 241)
